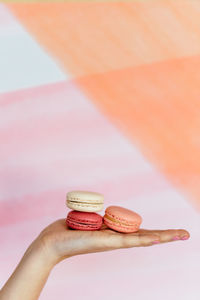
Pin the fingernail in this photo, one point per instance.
(155, 242)
(176, 238)
(185, 237)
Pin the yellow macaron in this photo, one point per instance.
(85, 201)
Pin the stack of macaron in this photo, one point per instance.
(83, 215)
(84, 206)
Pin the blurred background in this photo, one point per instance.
(102, 96)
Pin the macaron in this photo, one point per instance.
(85, 201)
(122, 219)
(84, 220)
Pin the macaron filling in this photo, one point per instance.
(86, 201)
(82, 223)
(83, 202)
(118, 221)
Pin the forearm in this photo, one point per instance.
(29, 278)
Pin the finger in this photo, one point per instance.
(133, 240)
(174, 234)
(169, 235)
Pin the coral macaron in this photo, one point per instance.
(121, 219)
(85, 201)
(84, 220)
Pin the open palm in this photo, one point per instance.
(64, 242)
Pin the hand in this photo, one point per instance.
(59, 242)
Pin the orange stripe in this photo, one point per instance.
(88, 38)
(158, 107)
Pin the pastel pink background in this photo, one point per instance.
(53, 140)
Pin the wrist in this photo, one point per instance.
(48, 249)
(40, 255)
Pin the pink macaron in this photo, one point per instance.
(84, 220)
(122, 219)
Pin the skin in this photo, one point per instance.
(56, 243)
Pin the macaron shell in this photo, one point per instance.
(124, 215)
(85, 196)
(84, 220)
